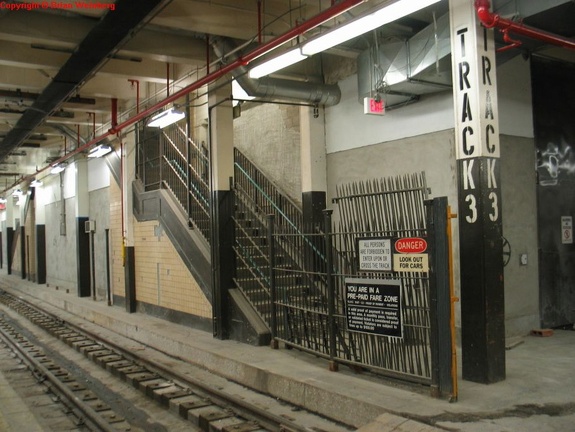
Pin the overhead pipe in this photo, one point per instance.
(274, 88)
(492, 20)
(257, 52)
(135, 82)
(114, 120)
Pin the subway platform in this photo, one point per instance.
(538, 394)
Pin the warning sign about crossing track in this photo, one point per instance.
(374, 306)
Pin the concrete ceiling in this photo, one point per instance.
(44, 49)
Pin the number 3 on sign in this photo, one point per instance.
(494, 205)
(473, 207)
(493, 215)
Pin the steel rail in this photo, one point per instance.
(35, 365)
(267, 420)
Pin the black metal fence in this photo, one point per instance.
(301, 281)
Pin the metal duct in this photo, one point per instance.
(112, 30)
(273, 88)
(401, 71)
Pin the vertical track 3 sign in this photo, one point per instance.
(479, 195)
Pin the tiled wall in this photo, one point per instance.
(162, 279)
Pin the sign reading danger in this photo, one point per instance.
(410, 256)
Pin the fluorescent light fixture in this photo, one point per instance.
(166, 118)
(56, 169)
(36, 183)
(99, 151)
(17, 193)
(287, 59)
(3, 200)
(364, 24)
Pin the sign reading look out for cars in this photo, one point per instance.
(406, 254)
(410, 256)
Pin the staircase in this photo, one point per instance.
(172, 187)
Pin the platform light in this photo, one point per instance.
(36, 183)
(99, 151)
(287, 59)
(166, 118)
(362, 25)
(17, 193)
(58, 168)
(3, 200)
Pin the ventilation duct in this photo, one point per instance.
(402, 71)
(277, 89)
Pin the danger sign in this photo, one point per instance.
(410, 245)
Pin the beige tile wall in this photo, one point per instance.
(162, 279)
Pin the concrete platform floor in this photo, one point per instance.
(538, 394)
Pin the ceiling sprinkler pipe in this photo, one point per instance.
(491, 20)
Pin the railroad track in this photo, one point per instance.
(208, 408)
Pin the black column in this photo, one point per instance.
(9, 245)
(313, 204)
(482, 294)
(130, 279)
(223, 260)
(23, 252)
(41, 254)
(83, 257)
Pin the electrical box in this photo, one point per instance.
(90, 226)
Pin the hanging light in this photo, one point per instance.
(58, 168)
(166, 118)
(287, 59)
(17, 193)
(99, 151)
(36, 183)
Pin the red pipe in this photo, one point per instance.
(491, 20)
(260, 50)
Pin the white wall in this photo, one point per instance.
(98, 174)
(347, 127)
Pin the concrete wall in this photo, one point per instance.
(269, 136)
(100, 213)
(61, 255)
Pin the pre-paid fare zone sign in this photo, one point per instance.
(373, 306)
(392, 254)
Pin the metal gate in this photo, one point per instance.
(329, 301)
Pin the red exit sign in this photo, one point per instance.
(373, 106)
